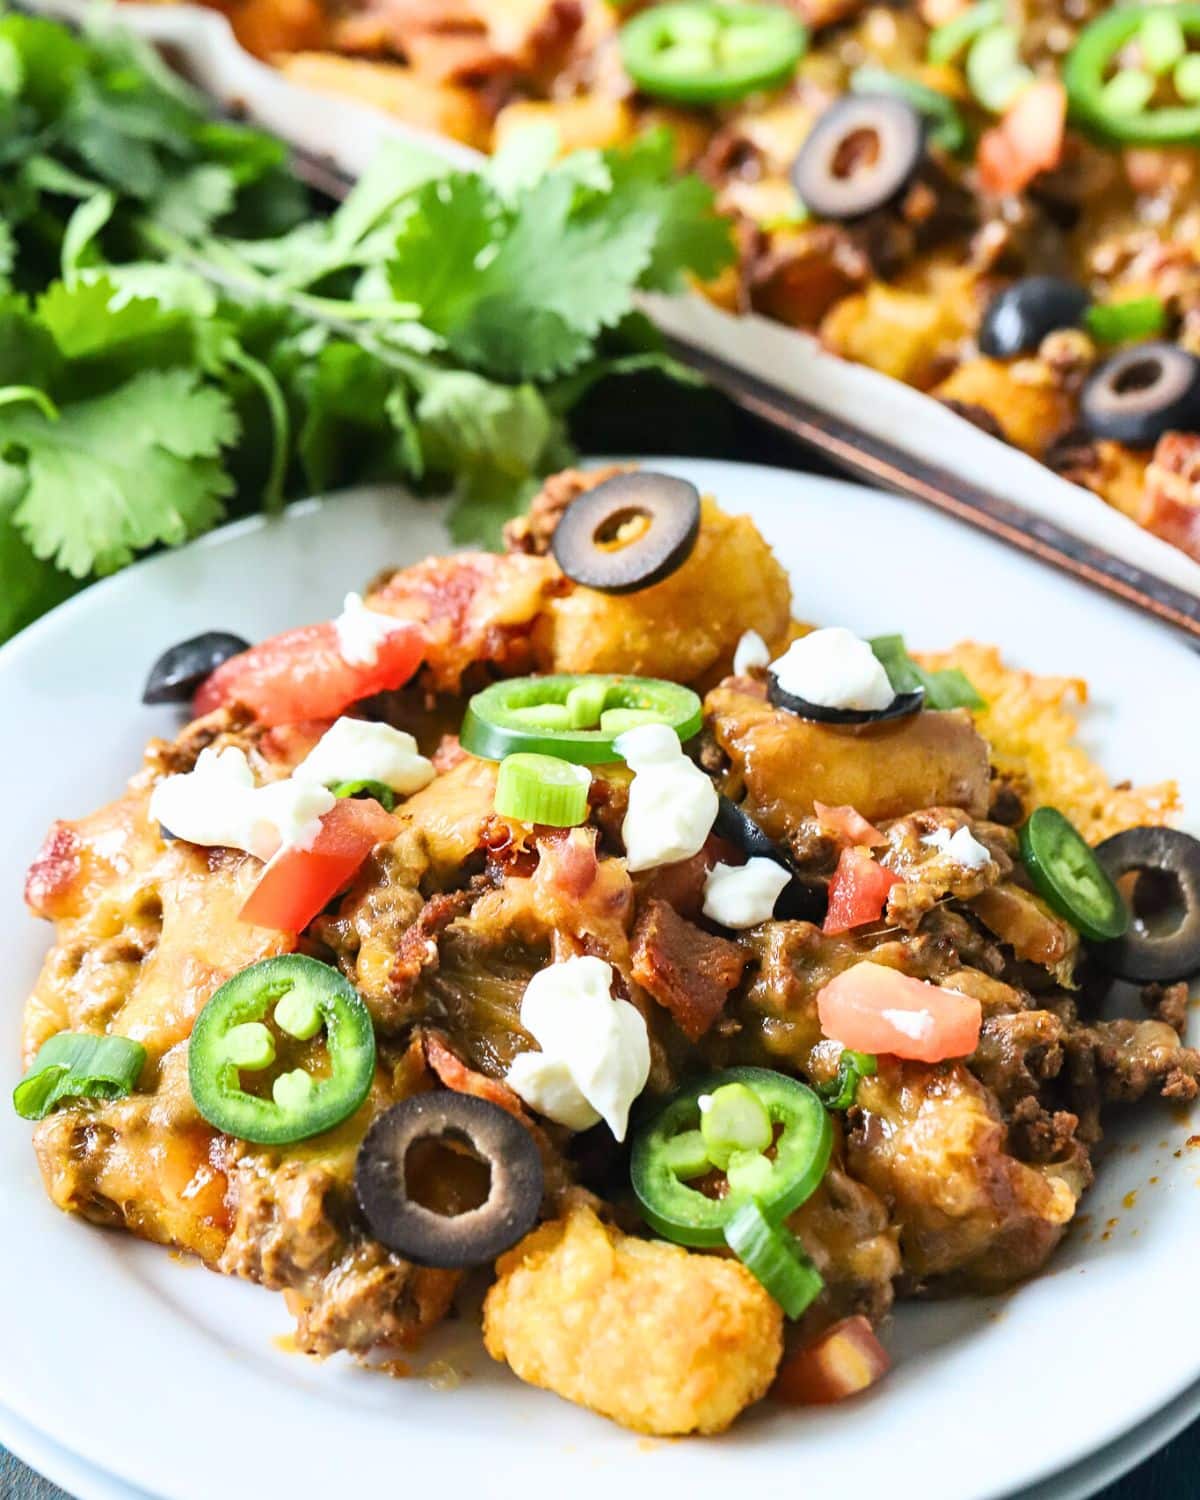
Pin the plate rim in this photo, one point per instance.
(722, 472)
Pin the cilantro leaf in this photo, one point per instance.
(439, 326)
(494, 439)
(28, 355)
(120, 472)
(520, 269)
(466, 420)
(523, 159)
(435, 263)
(52, 61)
(483, 500)
(949, 688)
(31, 585)
(561, 275)
(115, 333)
(690, 234)
(191, 203)
(520, 293)
(357, 423)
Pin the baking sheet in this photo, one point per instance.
(349, 134)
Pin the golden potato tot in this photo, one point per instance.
(659, 1339)
(687, 625)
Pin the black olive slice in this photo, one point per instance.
(1139, 394)
(181, 669)
(420, 1234)
(1019, 318)
(737, 827)
(861, 153)
(629, 532)
(799, 899)
(1167, 863)
(902, 706)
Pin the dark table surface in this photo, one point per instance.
(662, 420)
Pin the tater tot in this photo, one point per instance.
(660, 1339)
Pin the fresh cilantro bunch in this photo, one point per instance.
(182, 335)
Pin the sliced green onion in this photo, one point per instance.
(1161, 41)
(1117, 322)
(298, 1015)
(775, 1257)
(946, 42)
(382, 794)
(250, 1046)
(543, 716)
(542, 789)
(686, 1155)
(293, 1091)
(995, 72)
(1186, 78)
(78, 1065)
(734, 1119)
(585, 703)
(853, 1067)
(949, 128)
(749, 1174)
(949, 688)
(1127, 92)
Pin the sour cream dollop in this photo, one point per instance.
(751, 652)
(672, 803)
(835, 668)
(355, 750)
(218, 804)
(740, 896)
(361, 631)
(961, 846)
(595, 1056)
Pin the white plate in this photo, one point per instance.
(71, 1473)
(169, 1378)
(84, 1481)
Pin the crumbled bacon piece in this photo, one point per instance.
(448, 754)
(417, 949)
(681, 885)
(569, 863)
(688, 971)
(1028, 140)
(585, 900)
(1171, 506)
(53, 872)
(455, 1074)
(467, 41)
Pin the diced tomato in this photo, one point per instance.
(849, 825)
(858, 891)
(298, 882)
(1027, 141)
(302, 674)
(841, 1362)
(872, 1008)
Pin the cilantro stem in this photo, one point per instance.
(280, 422)
(237, 279)
(11, 394)
(213, 256)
